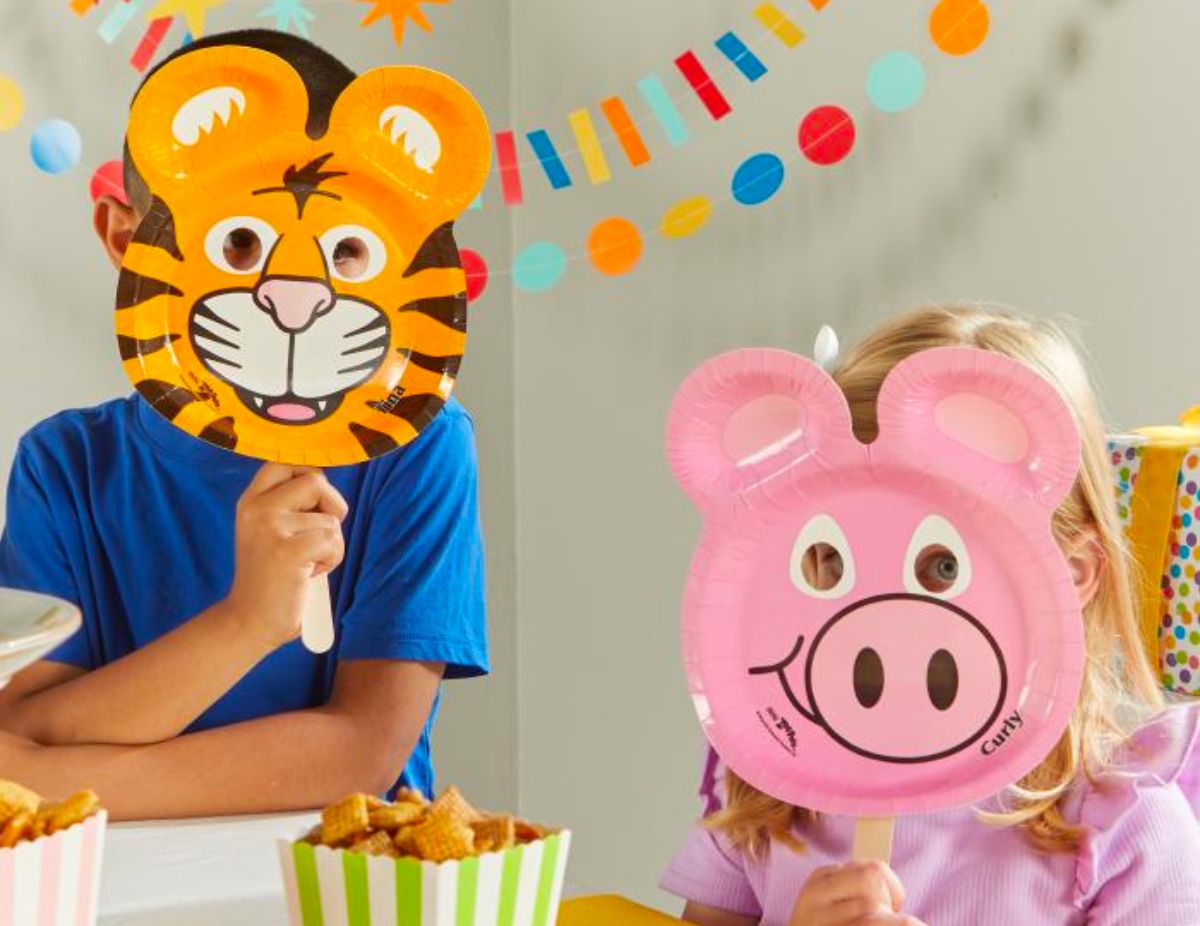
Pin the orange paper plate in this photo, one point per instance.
(291, 297)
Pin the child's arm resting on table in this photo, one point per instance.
(291, 761)
(288, 520)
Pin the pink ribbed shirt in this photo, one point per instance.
(1139, 863)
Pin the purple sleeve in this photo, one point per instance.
(706, 870)
(1140, 858)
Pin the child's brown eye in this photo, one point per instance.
(354, 254)
(240, 244)
(351, 257)
(243, 249)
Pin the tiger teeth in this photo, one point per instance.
(321, 404)
(258, 401)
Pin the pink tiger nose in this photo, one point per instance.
(294, 303)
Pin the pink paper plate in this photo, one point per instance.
(937, 657)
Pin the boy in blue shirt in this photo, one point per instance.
(187, 692)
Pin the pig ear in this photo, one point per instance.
(747, 415)
(981, 419)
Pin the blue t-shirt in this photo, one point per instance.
(116, 510)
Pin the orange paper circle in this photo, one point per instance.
(615, 246)
(958, 27)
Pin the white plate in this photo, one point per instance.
(30, 626)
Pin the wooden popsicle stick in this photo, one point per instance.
(316, 624)
(873, 839)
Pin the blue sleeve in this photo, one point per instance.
(419, 593)
(33, 552)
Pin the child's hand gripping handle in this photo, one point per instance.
(289, 538)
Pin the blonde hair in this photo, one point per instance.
(1119, 689)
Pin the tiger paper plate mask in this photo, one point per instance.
(294, 298)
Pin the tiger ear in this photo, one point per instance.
(425, 131)
(215, 107)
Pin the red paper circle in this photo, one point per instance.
(827, 135)
(477, 272)
(109, 180)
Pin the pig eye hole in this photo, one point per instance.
(821, 562)
(868, 677)
(936, 569)
(937, 562)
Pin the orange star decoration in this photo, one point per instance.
(400, 11)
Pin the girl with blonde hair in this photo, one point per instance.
(1099, 833)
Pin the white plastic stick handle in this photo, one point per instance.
(316, 625)
(873, 839)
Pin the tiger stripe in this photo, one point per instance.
(130, 347)
(417, 410)
(437, 281)
(451, 311)
(151, 262)
(221, 432)
(374, 443)
(449, 365)
(438, 252)
(167, 399)
(157, 229)
(133, 289)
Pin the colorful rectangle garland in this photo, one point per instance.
(590, 150)
(660, 103)
(543, 147)
(742, 57)
(697, 77)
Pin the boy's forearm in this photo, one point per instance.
(123, 703)
(294, 761)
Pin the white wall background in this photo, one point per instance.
(1054, 170)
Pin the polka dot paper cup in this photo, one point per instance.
(521, 886)
(55, 880)
(1157, 478)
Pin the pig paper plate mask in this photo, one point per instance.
(887, 628)
(291, 297)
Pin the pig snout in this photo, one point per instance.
(905, 678)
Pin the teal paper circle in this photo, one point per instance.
(895, 82)
(539, 266)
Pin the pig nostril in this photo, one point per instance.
(941, 679)
(868, 677)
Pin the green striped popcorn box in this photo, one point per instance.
(333, 887)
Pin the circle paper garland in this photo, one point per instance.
(827, 135)
(12, 103)
(109, 180)
(895, 82)
(539, 266)
(56, 146)
(758, 179)
(615, 246)
(686, 217)
(959, 27)
(476, 269)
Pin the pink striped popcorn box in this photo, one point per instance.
(521, 886)
(55, 880)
